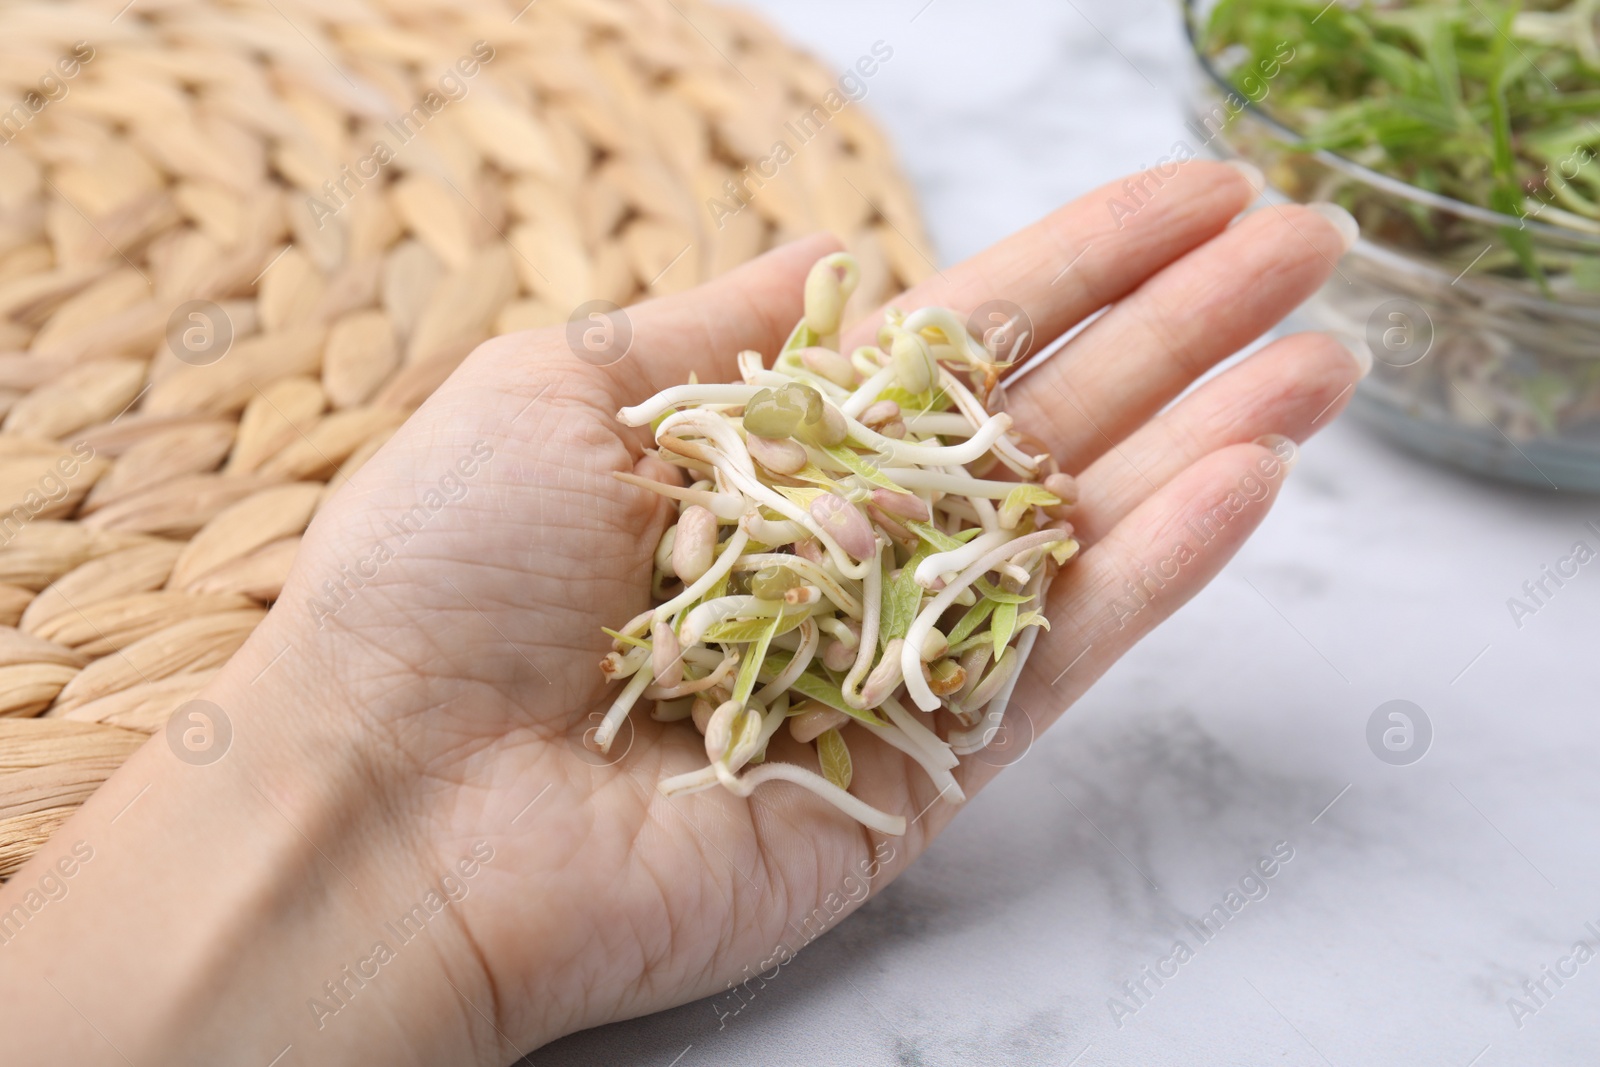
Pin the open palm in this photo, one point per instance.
(463, 652)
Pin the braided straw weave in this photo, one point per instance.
(150, 505)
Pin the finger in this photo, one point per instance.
(1089, 253)
(1147, 349)
(1154, 560)
(1293, 387)
(1163, 553)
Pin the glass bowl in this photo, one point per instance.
(1478, 361)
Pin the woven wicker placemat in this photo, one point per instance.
(239, 241)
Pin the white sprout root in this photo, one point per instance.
(844, 554)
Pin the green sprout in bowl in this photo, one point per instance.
(1463, 136)
(1490, 104)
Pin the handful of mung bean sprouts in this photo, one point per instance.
(865, 543)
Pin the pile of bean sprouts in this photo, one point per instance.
(864, 547)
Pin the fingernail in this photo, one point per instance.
(1286, 450)
(1251, 172)
(1359, 350)
(1341, 219)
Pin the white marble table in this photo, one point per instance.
(1414, 906)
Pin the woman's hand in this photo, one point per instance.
(410, 719)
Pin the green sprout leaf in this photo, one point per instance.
(941, 541)
(902, 598)
(834, 755)
(999, 596)
(978, 640)
(917, 403)
(1003, 626)
(636, 642)
(744, 631)
(815, 475)
(802, 336)
(799, 495)
(974, 618)
(750, 666)
(820, 689)
(851, 460)
(1032, 618)
(1022, 498)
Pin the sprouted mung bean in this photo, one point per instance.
(865, 547)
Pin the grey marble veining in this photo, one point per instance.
(1413, 907)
